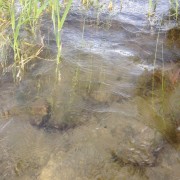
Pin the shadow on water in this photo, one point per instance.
(114, 114)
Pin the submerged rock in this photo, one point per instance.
(173, 111)
(169, 166)
(106, 147)
(151, 83)
(99, 93)
(139, 145)
(140, 150)
(173, 37)
(160, 102)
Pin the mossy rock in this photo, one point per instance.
(98, 93)
(153, 83)
(173, 37)
(159, 116)
(138, 149)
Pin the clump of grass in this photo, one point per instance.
(21, 19)
(24, 15)
(58, 22)
(152, 7)
(89, 3)
(174, 8)
(95, 4)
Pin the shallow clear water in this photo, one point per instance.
(99, 121)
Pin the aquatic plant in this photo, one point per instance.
(152, 7)
(58, 22)
(174, 8)
(19, 16)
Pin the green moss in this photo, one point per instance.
(153, 83)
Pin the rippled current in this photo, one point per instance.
(104, 119)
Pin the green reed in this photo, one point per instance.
(25, 15)
(152, 7)
(58, 22)
(174, 8)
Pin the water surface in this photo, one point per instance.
(101, 120)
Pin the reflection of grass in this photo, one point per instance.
(75, 81)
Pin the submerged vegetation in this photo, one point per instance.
(20, 23)
(112, 108)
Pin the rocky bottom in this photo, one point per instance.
(100, 134)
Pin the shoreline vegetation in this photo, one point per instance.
(23, 16)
